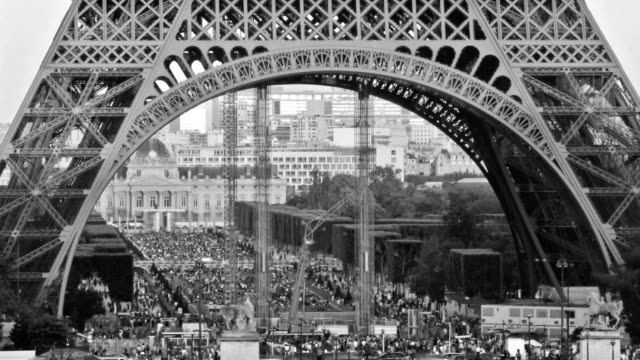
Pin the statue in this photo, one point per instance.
(239, 317)
(600, 308)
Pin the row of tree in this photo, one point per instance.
(426, 273)
(36, 327)
(459, 207)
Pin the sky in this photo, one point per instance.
(27, 28)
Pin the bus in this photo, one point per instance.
(184, 340)
(535, 318)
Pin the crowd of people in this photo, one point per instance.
(174, 283)
(168, 246)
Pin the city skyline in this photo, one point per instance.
(615, 18)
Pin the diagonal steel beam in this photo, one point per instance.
(55, 215)
(88, 89)
(604, 175)
(40, 152)
(115, 91)
(42, 250)
(60, 92)
(556, 240)
(624, 205)
(14, 204)
(17, 171)
(56, 112)
(28, 276)
(552, 91)
(575, 126)
(41, 130)
(50, 192)
(73, 172)
(22, 220)
(87, 124)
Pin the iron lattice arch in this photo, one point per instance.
(529, 89)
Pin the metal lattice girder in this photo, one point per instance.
(262, 142)
(604, 150)
(28, 276)
(547, 89)
(79, 152)
(604, 175)
(93, 79)
(365, 256)
(617, 111)
(57, 112)
(74, 172)
(40, 131)
(230, 118)
(390, 43)
(10, 193)
(22, 220)
(87, 124)
(33, 255)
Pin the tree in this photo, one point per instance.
(10, 305)
(20, 333)
(46, 332)
(82, 305)
(430, 273)
(626, 281)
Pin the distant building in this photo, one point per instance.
(423, 133)
(296, 165)
(456, 160)
(417, 166)
(154, 189)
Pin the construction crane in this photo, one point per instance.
(309, 228)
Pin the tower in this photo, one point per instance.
(529, 89)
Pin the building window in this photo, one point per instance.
(183, 201)
(218, 202)
(109, 203)
(195, 202)
(121, 201)
(277, 199)
(138, 172)
(167, 201)
(167, 174)
(393, 152)
(153, 201)
(207, 203)
(139, 201)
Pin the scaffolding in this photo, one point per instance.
(364, 244)
(262, 150)
(230, 120)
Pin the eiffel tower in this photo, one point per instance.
(530, 89)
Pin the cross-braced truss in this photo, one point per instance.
(529, 88)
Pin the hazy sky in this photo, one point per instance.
(28, 26)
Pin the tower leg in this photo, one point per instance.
(230, 118)
(364, 241)
(261, 193)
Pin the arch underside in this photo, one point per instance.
(494, 129)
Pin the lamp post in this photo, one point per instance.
(613, 343)
(539, 275)
(199, 266)
(529, 340)
(466, 309)
(562, 264)
(587, 337)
